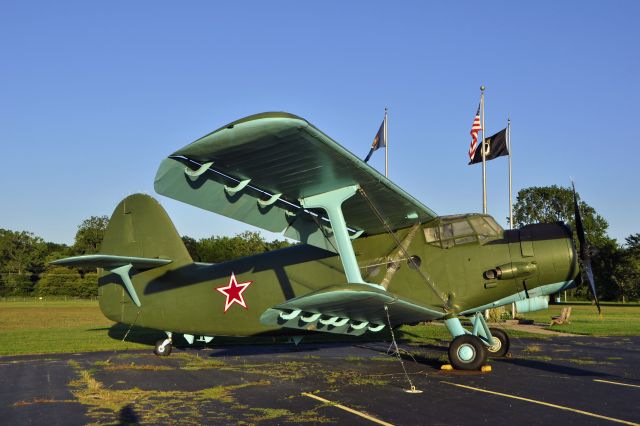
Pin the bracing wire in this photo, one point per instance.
(426, 278)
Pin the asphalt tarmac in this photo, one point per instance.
(561, 380)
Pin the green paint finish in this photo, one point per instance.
(317, 179)
(181, 296)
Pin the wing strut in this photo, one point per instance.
(331, 202)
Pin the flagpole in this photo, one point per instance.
(484, 167)
(513, 304)
(386, 144)
(484, 160)
(510, 185)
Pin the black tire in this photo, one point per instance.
(501, 344)
(467, 352)
(162, 351)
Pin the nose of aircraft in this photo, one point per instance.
(555, 253)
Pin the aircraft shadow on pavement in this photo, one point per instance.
(274, 349)
(550, 367)
(142, 335)
(425, 354)
(260, 345)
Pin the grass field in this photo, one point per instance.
(56, 326)
(37, 327)
(616, 319)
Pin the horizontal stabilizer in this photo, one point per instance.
(110, 262)
(348, 309)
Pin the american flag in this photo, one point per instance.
(475, 128)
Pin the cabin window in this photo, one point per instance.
(481, 226)
(449, 231)
(494, 225)
(465, 240)
(446, 231)
(431, 235)
(462, 228)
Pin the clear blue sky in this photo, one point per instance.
(95, 94)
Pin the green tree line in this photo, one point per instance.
(25, 257)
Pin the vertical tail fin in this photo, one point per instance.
(140, 227)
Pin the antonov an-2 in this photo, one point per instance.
(370, 255)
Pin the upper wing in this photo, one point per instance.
(258, 168)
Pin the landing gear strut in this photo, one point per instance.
(163, 347)
(469, 349)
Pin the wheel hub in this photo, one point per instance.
(497, 344)
(466, 353)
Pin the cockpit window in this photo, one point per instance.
(462, 228)
(493, 224)
(449, 231)
(431, 234)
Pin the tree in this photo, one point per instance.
(192, 247)
(21, 252)
(90, 234)
(627, 271)
(61, 281)
(549, 204)
(22, 257)
(633, 244)
(216, 249)
(553, 203)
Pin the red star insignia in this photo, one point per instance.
(233, 291)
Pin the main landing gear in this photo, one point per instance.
(163, 346)
(470, 350)
(500, 345)
(467, 352)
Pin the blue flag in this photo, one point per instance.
(378, 142)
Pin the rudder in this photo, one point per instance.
(140, 227)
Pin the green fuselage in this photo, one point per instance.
(184, 297)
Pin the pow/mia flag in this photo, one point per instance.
(494, 147)
(379, 141)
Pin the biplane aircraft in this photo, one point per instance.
(371, 256)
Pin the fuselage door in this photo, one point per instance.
(526, 243)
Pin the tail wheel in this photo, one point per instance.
(501, 342)
(467, 352)
(163, 347)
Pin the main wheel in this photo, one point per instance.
(467, 352)
(162, 349)
(501, 342)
